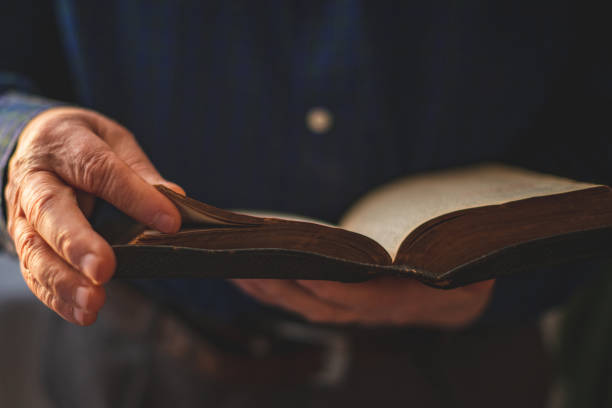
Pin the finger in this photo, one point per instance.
(468, 303)
(386, 292)
(51, 208)
(277, 290)
(124, 144)
(52, 272)
(382, 292)
(66, 311)
(53, 281)
(288, 295)
(406, 301)
(90, 165)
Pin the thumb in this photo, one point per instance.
(125, 146)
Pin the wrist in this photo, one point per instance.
(16, 111)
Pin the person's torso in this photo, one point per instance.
(218, 93)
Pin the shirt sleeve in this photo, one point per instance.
(16, 110)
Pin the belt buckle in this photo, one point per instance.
(337, 353)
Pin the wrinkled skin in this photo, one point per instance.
(66, 157)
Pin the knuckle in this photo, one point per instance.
(51, 278)
(95, 166)
(37, 206)
(46, 296)
(27, 246)
(55, 124)
(37, 289)
(65, 244)
(60, 306)
(43, 154)
(39, 191)
(46, 276)
(28, 278)
(43, 144)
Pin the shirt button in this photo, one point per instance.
(319, 120)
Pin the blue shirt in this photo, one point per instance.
(217, 93)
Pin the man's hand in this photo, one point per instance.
(384, 301)
(65, 157)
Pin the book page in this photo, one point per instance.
(199, 213)
(390, 213)
(281, 216)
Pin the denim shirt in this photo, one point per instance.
(218, 93)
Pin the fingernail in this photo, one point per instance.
(164, 223)
(81, 295)
(83, 316)
(89, 263)
(79, 315)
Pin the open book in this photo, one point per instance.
(446, 229)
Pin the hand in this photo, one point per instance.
(383, 301)
(64, 158)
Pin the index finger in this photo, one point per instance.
(90, 165)
(380, 292)
(394, 294)
(50, 206)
